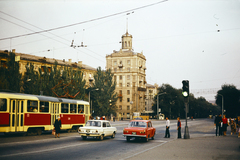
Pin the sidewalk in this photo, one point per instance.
(203, 148)
(202, 145)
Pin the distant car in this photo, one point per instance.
(98, 129)
(139, 129)
(138, 118)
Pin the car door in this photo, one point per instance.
(110, 128)
(105, 129)
(150, 129)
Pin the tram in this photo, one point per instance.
(32, 114)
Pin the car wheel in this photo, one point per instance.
(153, 136)
(84, 137)
(113, 135)
(101, 138)
(128, 138)
(147, 139)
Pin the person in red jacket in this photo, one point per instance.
(179, 127)
(225, 124)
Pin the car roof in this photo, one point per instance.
(141, 120)
(99, 120)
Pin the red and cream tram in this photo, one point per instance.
(33, 114)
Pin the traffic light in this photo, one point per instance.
(185, 88)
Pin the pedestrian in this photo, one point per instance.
(238, 125)
(225, 124)
(57, 127)
(179, 127)
(217, 123)
(113, 118)
(167, 134)
(233, 126)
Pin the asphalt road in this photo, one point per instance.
(71, 145)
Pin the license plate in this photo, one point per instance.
(134, 133)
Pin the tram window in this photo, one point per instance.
(3, 104)
(64, 108)
(73, 108)
(32, 106)
(80, 108)
(44, 106)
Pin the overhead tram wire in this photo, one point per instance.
(44, 35)
(96, 19)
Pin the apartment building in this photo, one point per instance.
(41, 62)
(129, 73)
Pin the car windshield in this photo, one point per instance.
(137, 124)
(93, 124)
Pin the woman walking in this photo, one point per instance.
(225, 124)
(57, 127)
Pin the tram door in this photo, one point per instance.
(16, 115)
(54, 112)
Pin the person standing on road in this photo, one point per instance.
(225, 124)
(167, 134)
(217, 123)
(179, 127)
(57, 127)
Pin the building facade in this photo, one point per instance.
(151, 92)
(42, 62)
(129, 73)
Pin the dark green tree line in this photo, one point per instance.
(104, 99)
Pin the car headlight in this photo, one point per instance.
(96, 131)
(79, 130)
(142, 131)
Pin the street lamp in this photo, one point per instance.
(158, 105)
(89, 98)
(222, 104)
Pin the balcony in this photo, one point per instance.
(120, 95)
(120, 65)
(141, 89)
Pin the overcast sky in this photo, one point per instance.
(195, 40)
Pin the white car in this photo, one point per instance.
(97, 128)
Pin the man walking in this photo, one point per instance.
(167, 134)
(179, 127)
(217, 123)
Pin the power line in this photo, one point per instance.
(96, 19)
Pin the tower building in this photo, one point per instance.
(129, 73)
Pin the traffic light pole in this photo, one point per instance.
(186, 132)
(185, 93)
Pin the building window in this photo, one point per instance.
(120, 69)
(120, 84)
(115, 69)
(128, 107)
(120, 99)
(120, 77)
(128, 99)
(120, 107)
(129, 62)
(128, 69)
(128, 77)
(150, 91)
(128, 92)
(115, 63)
(115, 78)
(128, 84)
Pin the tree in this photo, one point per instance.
(231, 97)
(10, 75)
(104, 100)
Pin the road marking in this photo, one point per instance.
(44, 150)
(33, 141)
(144, 151)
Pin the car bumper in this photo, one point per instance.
(134, 135)
(89, 134)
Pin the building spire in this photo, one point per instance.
(127, 26)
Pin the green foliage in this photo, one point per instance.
(172, 104)
(65, 80)
(104, 100)
(231, 97)
(10, 78)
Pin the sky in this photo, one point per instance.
(195, 40)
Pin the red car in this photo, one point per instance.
(139, 129)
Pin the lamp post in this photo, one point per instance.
(158, 104)
(222, 104)
(89, 98)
